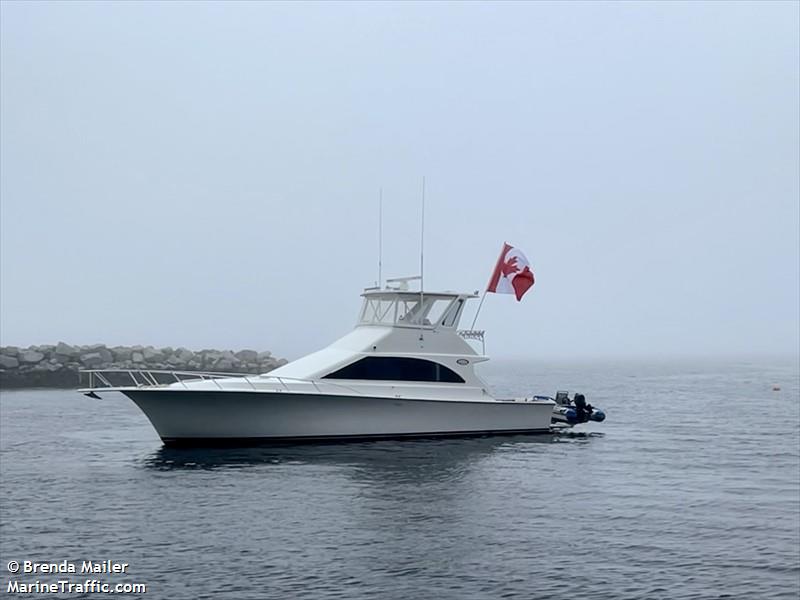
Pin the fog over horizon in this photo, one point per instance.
(206, 175)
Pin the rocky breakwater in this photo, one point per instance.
(59, 365)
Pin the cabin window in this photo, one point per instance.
(436, 310)
(389, 368)
(452, 316)
(409, 311)
(405, 310)
(378, 311)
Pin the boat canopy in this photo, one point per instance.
(397, 308)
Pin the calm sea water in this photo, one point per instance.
(690, 489)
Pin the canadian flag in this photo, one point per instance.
(512, 274)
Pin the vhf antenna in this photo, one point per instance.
(380, 238)
(422, 262)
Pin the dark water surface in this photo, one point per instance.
(690, 489)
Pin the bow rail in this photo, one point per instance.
(107, 380)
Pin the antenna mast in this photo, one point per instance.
(422, 241)
(422, 262)
(380, 238)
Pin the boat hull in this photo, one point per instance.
(183, 417)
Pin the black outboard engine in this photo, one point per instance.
(582, 410)
(577, 411)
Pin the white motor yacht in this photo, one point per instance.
(405, 370)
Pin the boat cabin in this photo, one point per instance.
(400, 335)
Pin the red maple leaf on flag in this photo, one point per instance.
(509, 267)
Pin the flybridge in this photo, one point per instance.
(403, 308)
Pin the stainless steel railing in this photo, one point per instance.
(476, 335)
(101, 379)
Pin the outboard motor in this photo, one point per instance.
(578, 411)
(582, 411)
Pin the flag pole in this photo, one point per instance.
(477, 312)
(488, 285)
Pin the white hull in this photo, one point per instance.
(194, 416)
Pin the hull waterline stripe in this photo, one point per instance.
(281, 440)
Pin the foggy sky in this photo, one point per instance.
(206, 175)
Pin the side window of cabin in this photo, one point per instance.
(436, 310)
(388, 368)
(452, 315)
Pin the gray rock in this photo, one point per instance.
(43, 363)
(281, 362)
(121, 354)
(31, 357)
(247, 355)
(8, 362)
(92, 359)
(151, 354)
(66, 349)
(211, 356)
(175, 361)
(223, 364)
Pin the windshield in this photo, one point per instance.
(405, 310)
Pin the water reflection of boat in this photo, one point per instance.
(384, 454)
(381, 459)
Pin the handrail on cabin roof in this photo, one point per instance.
(373, 292)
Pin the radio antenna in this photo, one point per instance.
(422, 262)
(380, 238)
(422, 241)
